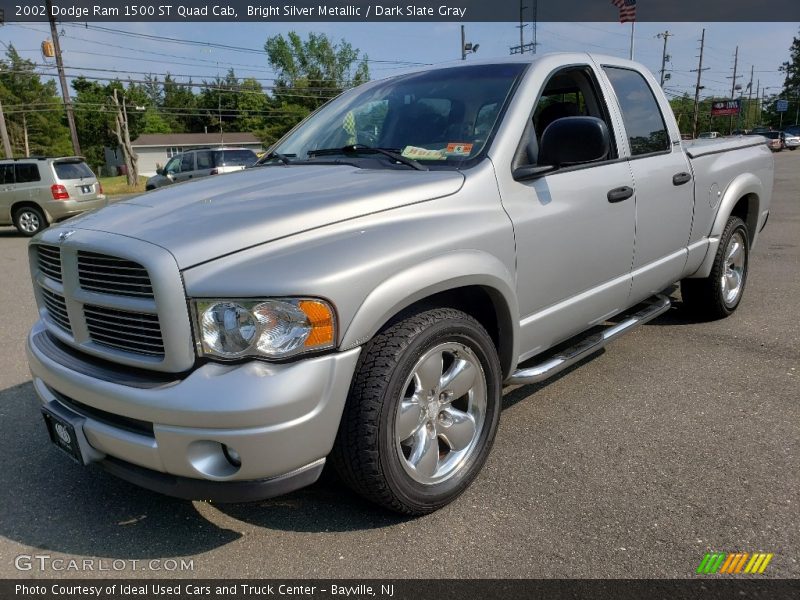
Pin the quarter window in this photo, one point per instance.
(647, 132)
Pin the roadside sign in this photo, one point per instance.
(782, 105)
(724, 108)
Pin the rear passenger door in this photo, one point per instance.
(28, 183)
(663, 183)
(204, 163)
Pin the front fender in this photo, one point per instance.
(453, 270)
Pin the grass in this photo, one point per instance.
(114, 186)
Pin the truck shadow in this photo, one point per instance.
(52, 504)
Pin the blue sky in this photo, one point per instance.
(762, 45)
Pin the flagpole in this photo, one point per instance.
(633, 31)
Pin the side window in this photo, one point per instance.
(187, 162)
(205, 160)
(26, 172)
(174, 165)
(571, 92)
(6, 174)
(643, 120)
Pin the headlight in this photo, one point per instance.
(275, 328)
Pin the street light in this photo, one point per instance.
(467, 47)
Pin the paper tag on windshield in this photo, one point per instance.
(459, 149)
(417, 153)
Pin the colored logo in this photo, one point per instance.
(734, 563)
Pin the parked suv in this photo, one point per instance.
(35, 192)
(201, 163)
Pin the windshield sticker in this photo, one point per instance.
(418, 153)
(459, 149)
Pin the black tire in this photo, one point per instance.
(706, 298)
(29, 220)
(149, 188)
(366, 454)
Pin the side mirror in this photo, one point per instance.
(160, 171)
(574, 141)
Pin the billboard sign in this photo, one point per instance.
(724, 108)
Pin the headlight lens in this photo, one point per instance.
(275, 328)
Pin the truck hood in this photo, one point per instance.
(203, 220)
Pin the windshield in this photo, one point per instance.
(442, 117)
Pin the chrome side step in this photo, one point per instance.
(658, 305)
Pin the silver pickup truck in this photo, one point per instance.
(363, 295)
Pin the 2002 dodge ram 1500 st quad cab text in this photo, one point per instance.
(363, 293)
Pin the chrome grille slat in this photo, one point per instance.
(56, 309)
(139, 333)
(114, 276)
(49, 261)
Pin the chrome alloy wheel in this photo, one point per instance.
(734, 269)
(441, 415)
(29, 221)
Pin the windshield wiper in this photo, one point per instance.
(281, 157)
(392, 153)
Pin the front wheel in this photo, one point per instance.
(718, 295)
(422, 412)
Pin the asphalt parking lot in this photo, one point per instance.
(681, 438)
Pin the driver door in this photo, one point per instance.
(574, 245)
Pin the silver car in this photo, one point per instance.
(202, 162)
(35, 192)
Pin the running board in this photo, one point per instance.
(656, 306)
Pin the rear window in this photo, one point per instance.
(72, 170)
(235, 158)
(26, 172)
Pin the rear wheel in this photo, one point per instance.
(718, 295)
(29, 220)
(422, 412)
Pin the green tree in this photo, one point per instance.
(179, 107)
(791, 84)
(310, 72)
(33, 109)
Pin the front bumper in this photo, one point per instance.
(281, 419)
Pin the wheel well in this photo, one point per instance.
(484, 304)
(747, 210)
(17, 205)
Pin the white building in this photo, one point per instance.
(155, 149)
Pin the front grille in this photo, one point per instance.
(49, 259)
(112, 275)
(129, 331)
(56, 309)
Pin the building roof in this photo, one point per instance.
(232, 138)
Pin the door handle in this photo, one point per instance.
(681, 178)
(619, 194)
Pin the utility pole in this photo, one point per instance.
(4, 134)
(664, 56)
(523, 47)
(758, 98)
(749, 96)
(463, 44)
(25, 134)
(698, 87)
(73, 132)
(733, 84)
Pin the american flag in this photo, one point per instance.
(627, 10)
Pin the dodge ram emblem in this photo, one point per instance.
(65, 234)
